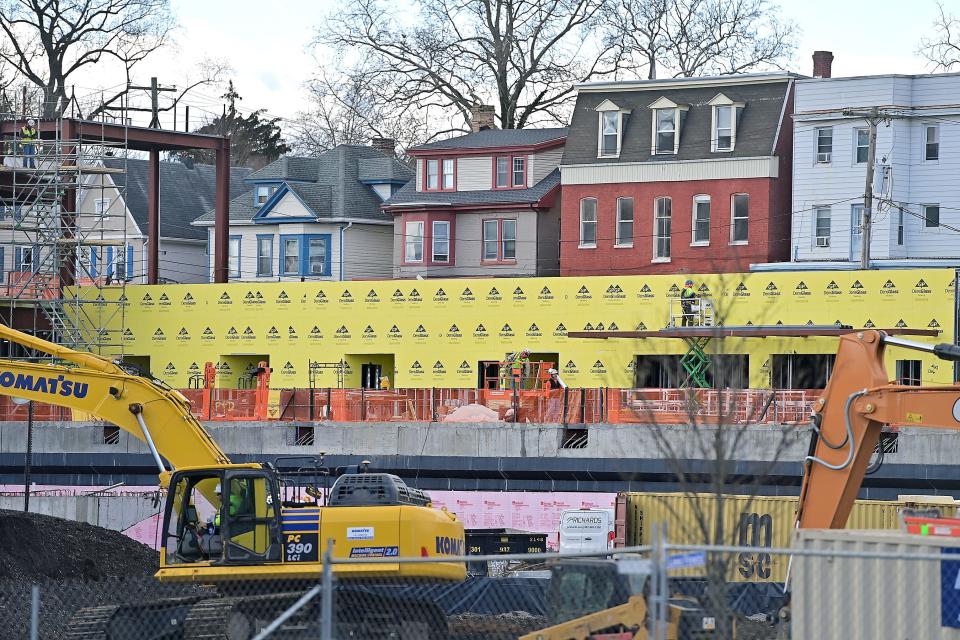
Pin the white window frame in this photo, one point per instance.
(233, 256)
(617, 123)
(656, 132)
(444, 174)
(490, 246)
(901, 228)
(312, 256)
(820, 240)
(506, 223)
(262, 194)
(522, 160)
(427, 175)
(438, 224)
(412, 238)
(120, 264)
(658, 235)
(506, 172)
(624, 240)
(927, 127)
(734, 218)
(583, 223)
(101, 208)
(856, 145)
(24, 248)
(268, 272)
(822, 157)
(926, 220)
(698, 200)
(84, 265)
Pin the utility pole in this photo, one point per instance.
(155, 89)
(873, 116)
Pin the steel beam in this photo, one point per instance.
(153, 217)
(776, 331)
(221, 225)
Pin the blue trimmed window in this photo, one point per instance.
(305, 255)
(265, 255)
(233, 259)
(262, 193)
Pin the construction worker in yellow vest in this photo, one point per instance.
(234, 507)
(28, 143)
(688, 297)
(519, 363)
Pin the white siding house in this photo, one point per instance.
(314, 218)
(916, 184)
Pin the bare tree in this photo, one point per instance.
(942, 50)
(522, 56)
(52, 40)
(698, 37)
(346, 109)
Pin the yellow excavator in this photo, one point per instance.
(224, 523)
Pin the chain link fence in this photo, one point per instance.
(877, 585)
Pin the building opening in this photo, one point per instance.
(370, 371)
(800, 370)
(667, 372)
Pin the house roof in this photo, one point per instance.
(329, 185)
(409, 197)
(756, 129)
(185, 193)
(494, 138)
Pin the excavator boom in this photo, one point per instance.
(146, 408)
(848, 418)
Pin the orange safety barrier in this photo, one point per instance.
(710, 406)
(234, 404)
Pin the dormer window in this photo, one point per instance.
(667, 123)
(440, 174)
(726, 114)
(262, 193)
(610, 136)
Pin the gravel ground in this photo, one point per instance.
(75, 565)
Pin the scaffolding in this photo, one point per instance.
(59, 237)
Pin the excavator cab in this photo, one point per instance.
(222, 516)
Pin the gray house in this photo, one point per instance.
(483, 204)
(315, 218)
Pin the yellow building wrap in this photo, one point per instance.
(435, 333)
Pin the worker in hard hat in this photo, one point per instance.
(688, 298)
(236, 501)
(28, 143)
(384, 383)
(519, 365)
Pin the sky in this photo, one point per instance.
(267, 45)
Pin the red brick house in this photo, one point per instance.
(679, 175)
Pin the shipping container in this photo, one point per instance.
(889, 596)
(758, 521)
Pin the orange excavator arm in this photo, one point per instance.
(857, 403)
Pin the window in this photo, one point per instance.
(900, 226)
(264, 256)
(609, 133)
(101, 207)
(519, 171)
(661, 228)
(931, 216)
(291, 256)
(433, 171)
(624, 222)
(233, 260)
(84, 264)
(316, 256)
(441, 241)
(824, 144)
(448, 174)
(862, 143)
(739, 229)
(701, 220)
(499, 240)
(822, 225)
(24, 259)
(588, 222)
(490, 239)
(508, 242)
(510, 172)
(931, 142)
(263, 193)
(503, 172)
(123, 263)
(908, 372)
(413, 242)
(666, 121)
(723, 134)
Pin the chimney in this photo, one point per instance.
(822, 63)
(482, 117)
(387, 146)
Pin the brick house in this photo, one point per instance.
(482, 204)
(677, 175)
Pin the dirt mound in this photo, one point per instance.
(34, 547)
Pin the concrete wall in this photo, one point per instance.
(110, 512)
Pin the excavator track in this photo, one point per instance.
(218, 619)
(91, 623)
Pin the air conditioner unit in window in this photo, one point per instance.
(823, 242)
(824, 157)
